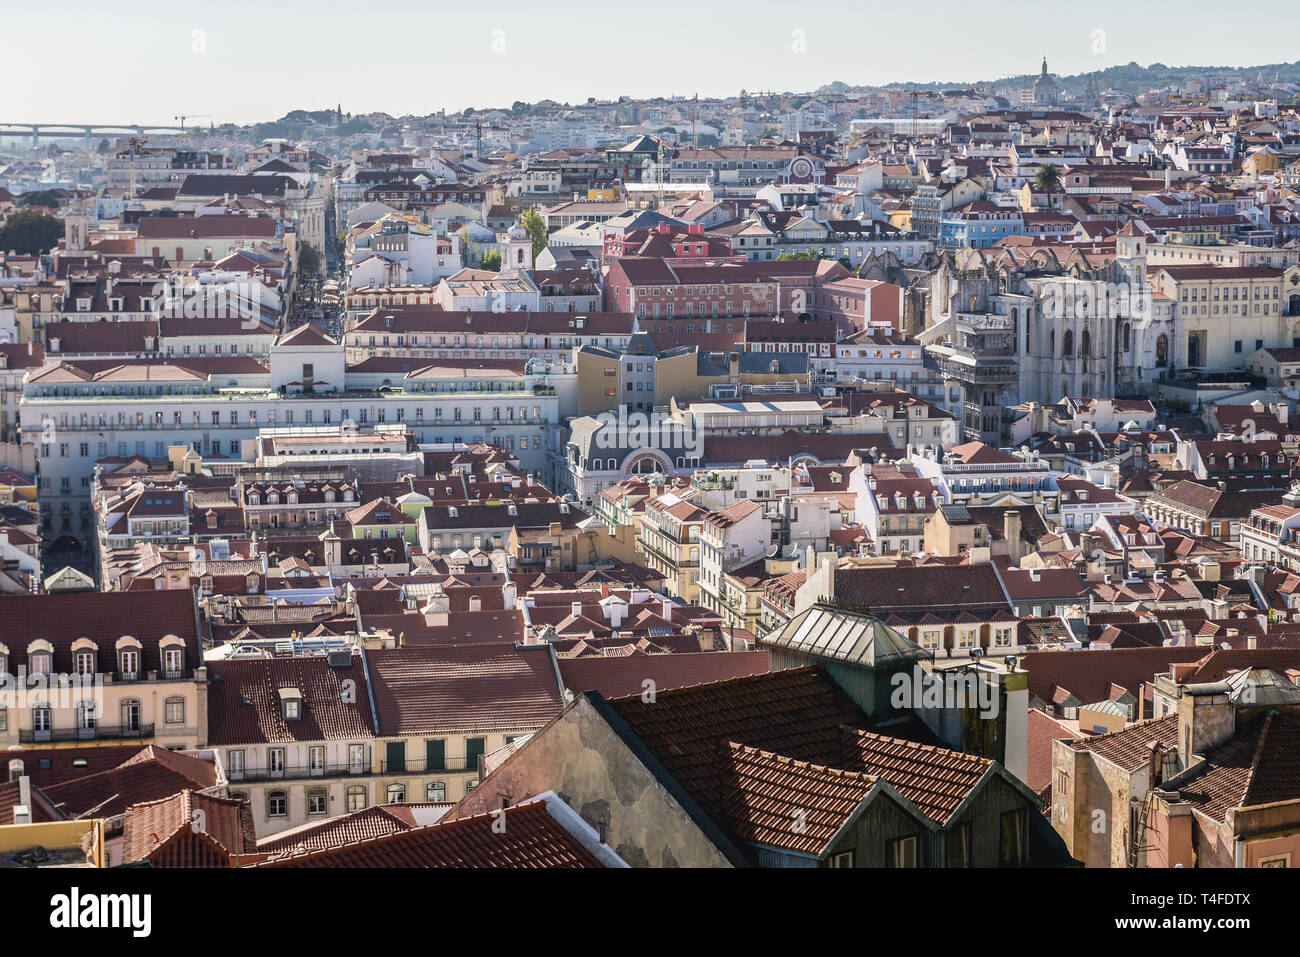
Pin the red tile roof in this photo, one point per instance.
(151, 774)
(1260, 764)
(1130, 747)
(936, 780)
(470, 689)
(620, 677)
(764, 794)
(797, 712)
(363, 825)
(531, 838)
(103, 617)
(189, 829)
(325, 712)
(1089, 673)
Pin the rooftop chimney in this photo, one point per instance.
(1011, 531)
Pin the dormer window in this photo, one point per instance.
(39, 664)
(173, 662)
(291, 704)
(85, 663)
(128, 663)
(254, 498)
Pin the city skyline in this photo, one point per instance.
(766, 49)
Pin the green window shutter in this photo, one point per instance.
(396, 752)
(435, 755)
(473, 748)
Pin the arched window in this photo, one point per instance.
(356, 797)
(1128, 331)
(174, 710)
(1051, 343)
(317, 801)
(396, 793)
(277, 803)
(1067, 344)
(436, 792)
(1162, 351)
(130, 710)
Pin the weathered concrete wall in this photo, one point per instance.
(580, 758)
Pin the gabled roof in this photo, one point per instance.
(152, 773)
(164, 832)
(936, 780)
(764, 793)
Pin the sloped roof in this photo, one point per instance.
(327, 712)
(188, 829)
(468, 689)
(936, 780)
(530, 838)
(622, 676)
(1260, 764)
(764, 793)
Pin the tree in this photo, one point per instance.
(104, 146)
(1048, 179)
(491, 260)
(30, 233)
(39, 197)
(308, 260)
(535, 227)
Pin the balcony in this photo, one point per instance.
(295, 771)
(103, 732)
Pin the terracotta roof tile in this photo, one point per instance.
(474, 688)
(188, 829)
(531, 838)
(325, 713)
(934, 779)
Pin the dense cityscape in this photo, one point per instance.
(870, 477)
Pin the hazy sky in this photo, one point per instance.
(241, 61)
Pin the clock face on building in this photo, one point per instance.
(801, 168)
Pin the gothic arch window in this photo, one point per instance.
(1085, 347)
(1067, 344)
(1162, 351)
(1128, 331)
(1051, 343)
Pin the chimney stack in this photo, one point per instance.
(1011, 531)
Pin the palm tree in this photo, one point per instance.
(1048, 179)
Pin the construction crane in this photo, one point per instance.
(189, 116)
(134, 143)
(915, 94)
